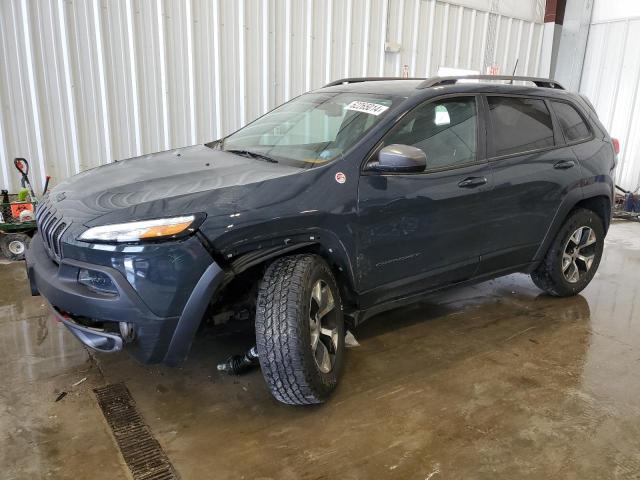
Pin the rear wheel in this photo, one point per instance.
(300, 330)
(574, 255)
(14, 245)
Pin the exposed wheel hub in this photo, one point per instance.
(579, 254)
(323, 326)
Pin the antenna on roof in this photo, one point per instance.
(515, 67)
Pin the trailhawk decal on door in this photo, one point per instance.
(367, 107)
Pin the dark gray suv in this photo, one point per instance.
(342, 203)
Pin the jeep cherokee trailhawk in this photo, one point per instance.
(342, 203)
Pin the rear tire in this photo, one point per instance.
(300, 330)
(14, 245)
(574, 255)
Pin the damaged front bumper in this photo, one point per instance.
(94, 317)
(94, 338)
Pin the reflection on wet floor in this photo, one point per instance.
(36, 349)
(490, 381)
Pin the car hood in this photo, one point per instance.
(158, 180)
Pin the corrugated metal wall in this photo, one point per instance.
(85, 82)
(611, 80)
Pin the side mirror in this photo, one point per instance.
(398, 158)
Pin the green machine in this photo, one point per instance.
(17, 215)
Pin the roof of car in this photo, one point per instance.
(399, 86)
(411, 86)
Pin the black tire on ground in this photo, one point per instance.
(286, 319)
(14, 245)
(549, 275)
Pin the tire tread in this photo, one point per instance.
(278, 331)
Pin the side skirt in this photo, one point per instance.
(359, 316)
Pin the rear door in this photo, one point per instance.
(533, 171)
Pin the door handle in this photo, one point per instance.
(564, 164)
(472, 182)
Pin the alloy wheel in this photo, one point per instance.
(579, 254)
(323, 326)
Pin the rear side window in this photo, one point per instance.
(571, 122)
(444, 129)
(519, 124)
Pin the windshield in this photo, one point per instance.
(310, 130)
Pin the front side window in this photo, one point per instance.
(445, 130)
(519, 125)
(571, 122)
(312, 129)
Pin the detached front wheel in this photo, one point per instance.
(300, 330)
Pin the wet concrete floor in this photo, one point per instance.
(491, 381)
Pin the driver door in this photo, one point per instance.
(418, 231)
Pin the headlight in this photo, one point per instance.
(143, 230)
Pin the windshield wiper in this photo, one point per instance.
(259, 156)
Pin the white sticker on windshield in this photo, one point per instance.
(366, 107)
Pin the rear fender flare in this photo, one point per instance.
(571, 200)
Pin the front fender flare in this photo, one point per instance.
(192, 314)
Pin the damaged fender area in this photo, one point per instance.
(192, 314)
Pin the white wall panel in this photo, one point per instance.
(611, 80)
(86, 82)
(606, 11)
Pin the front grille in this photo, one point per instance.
(51, 227)
(57, 233)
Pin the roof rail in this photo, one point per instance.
(366, 79)
(441, 81)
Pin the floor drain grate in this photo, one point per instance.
(142, 453)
